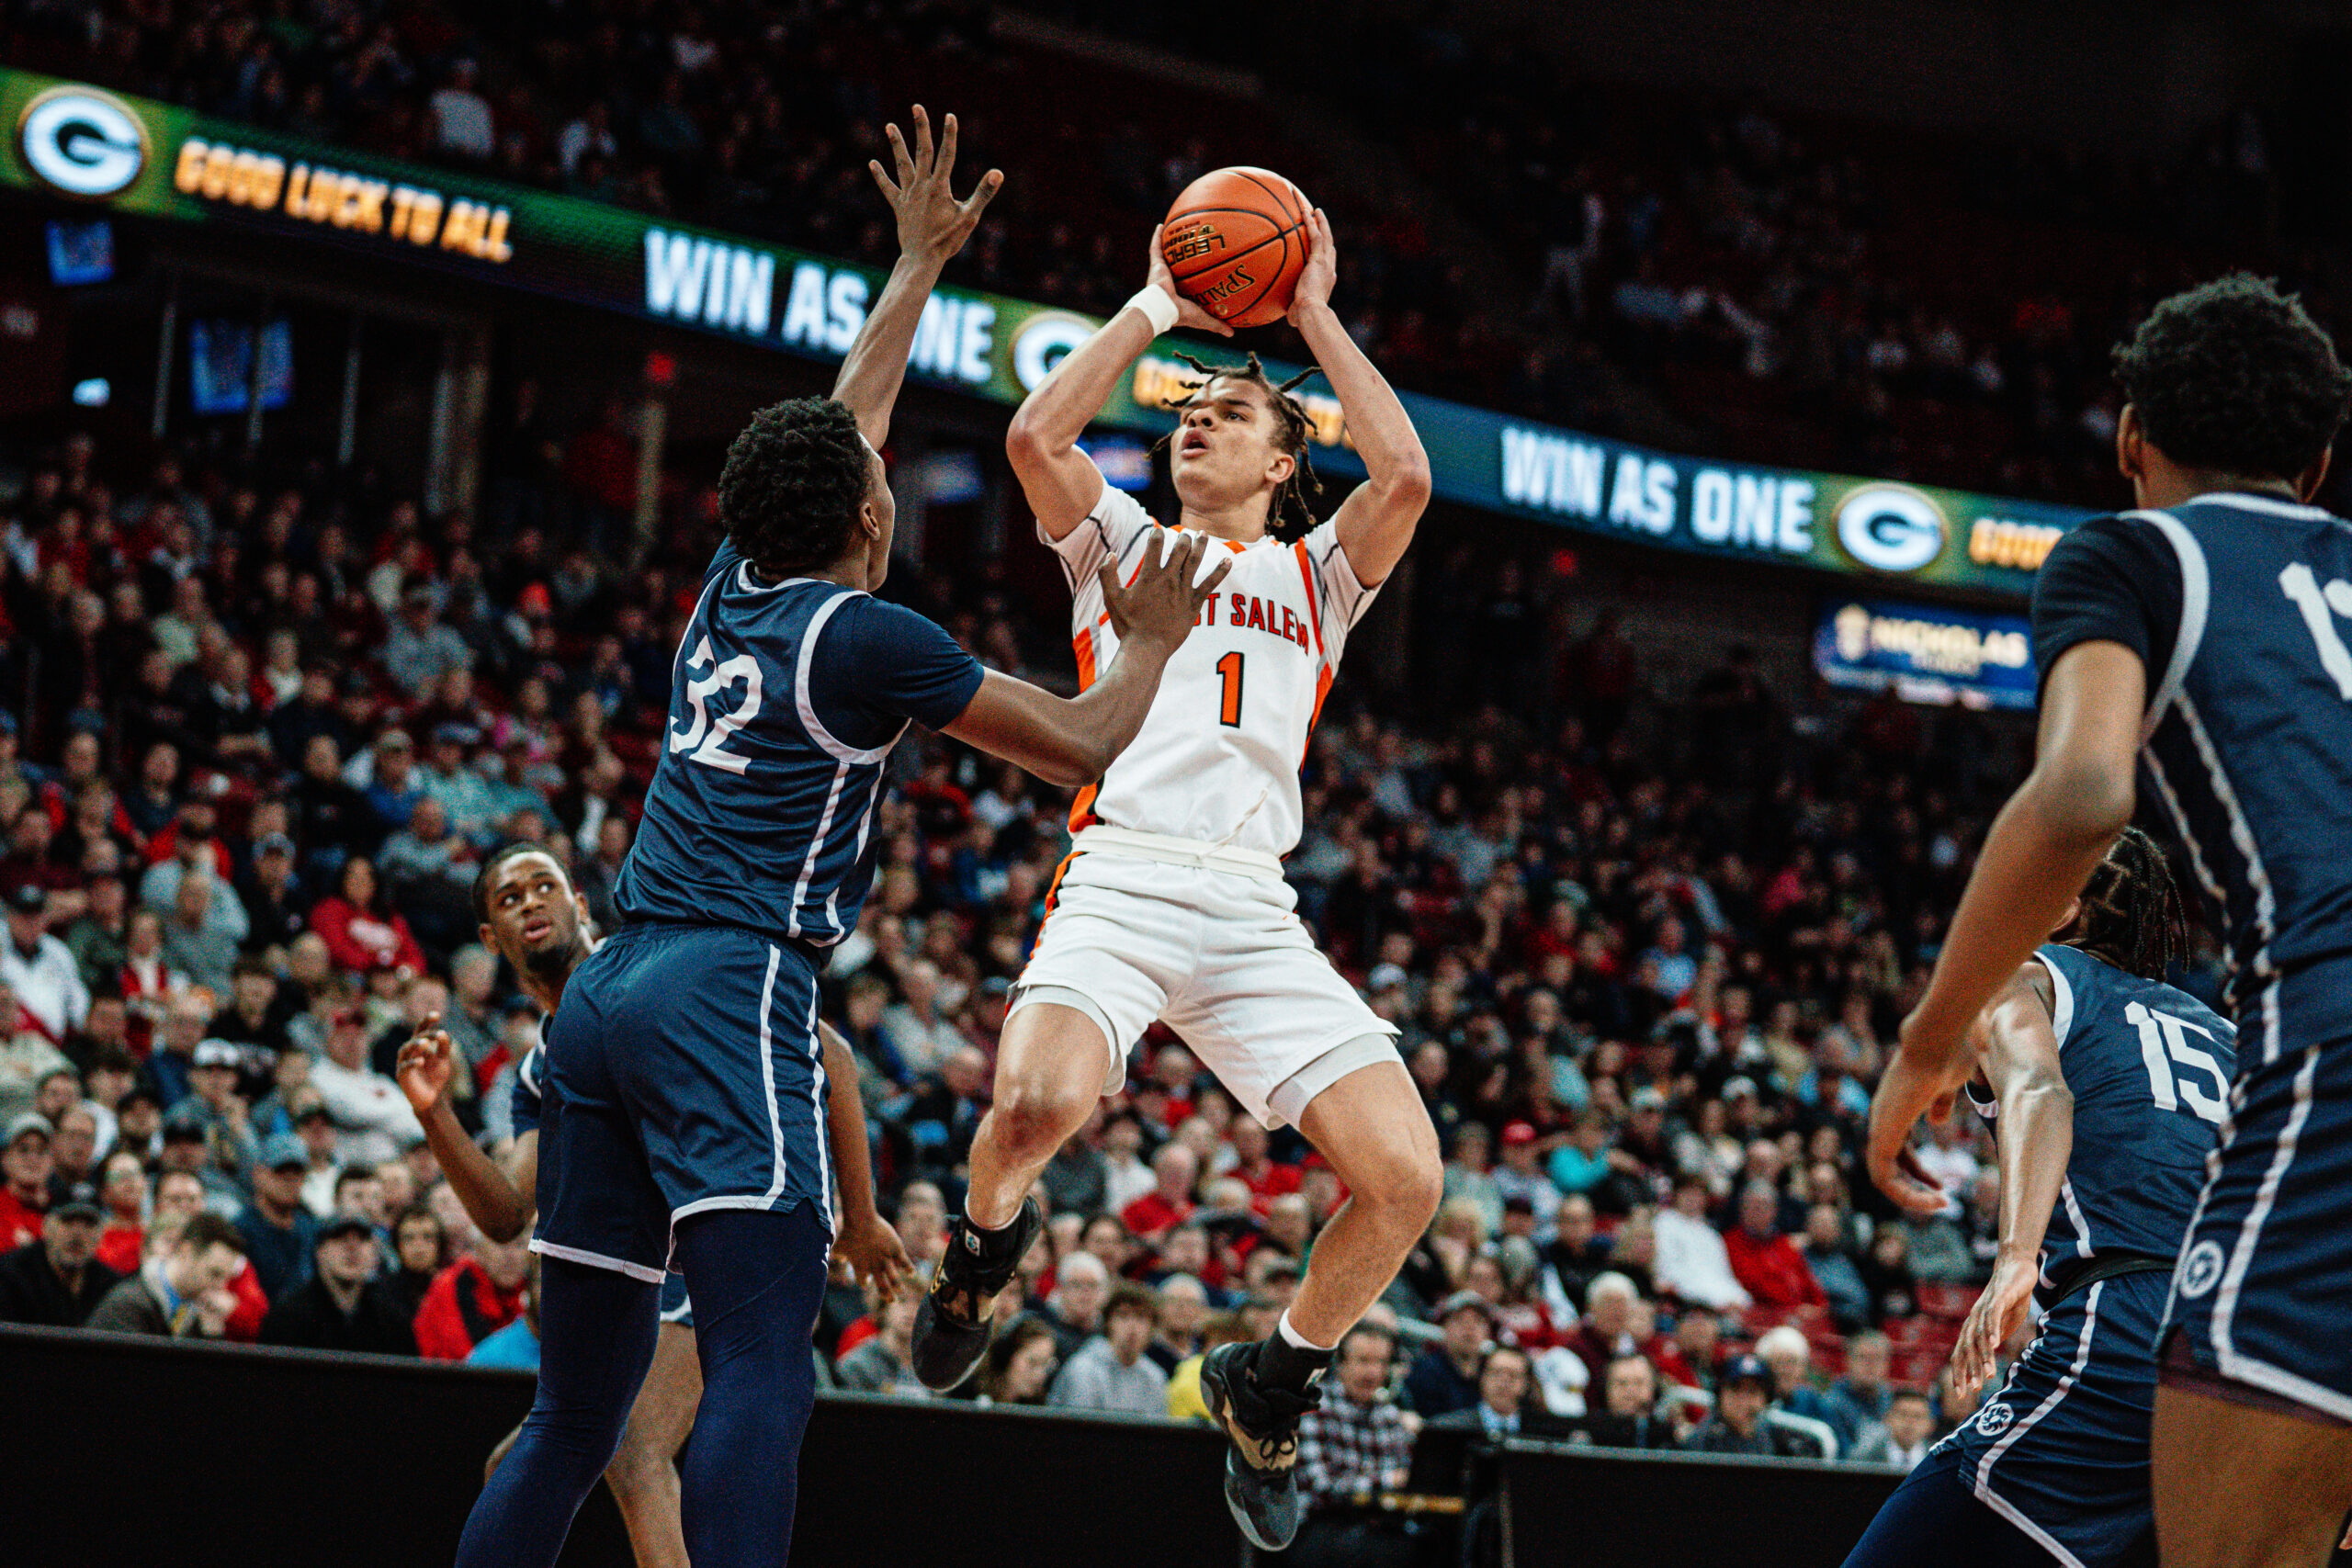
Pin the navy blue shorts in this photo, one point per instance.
(2262, 1296)
(683, 1074)
(1934, 1520)
(2061, 1450)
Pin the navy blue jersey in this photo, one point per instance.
(785, 701)
(524, 1105)
(2237, 605)
(2149, 1067)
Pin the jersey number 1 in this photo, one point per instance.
(2320, 606)
(701, 740)
(1228, 670)
(2164, 1043)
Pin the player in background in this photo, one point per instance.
(684, 1083)
(1172, 904)
(2201, 638)
(533, 918)
(2104, 1085)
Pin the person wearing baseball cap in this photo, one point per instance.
(279, 1231)
(1444, 1377)
(344, 1303)
(24, 1167)
(1743, 1422)
(1520, 1174)
(57, 1280)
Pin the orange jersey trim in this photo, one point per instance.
(1315, 615)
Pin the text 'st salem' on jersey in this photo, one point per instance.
(1218, 758)
(2237, 605)
(785, 701)
(2149, 1067)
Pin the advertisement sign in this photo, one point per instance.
(108, 151)
(1927, 653)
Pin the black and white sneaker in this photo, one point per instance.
(1259, 1485)
(953, 1322)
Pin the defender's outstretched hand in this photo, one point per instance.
(931, 222)
(1994, 1317)
(425, 1064)
(1188, 315)
(874, 1254)
(1163, 602)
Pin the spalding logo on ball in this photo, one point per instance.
(1236, 241)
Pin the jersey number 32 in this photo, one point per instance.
(701, 740)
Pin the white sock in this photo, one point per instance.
(1291, 1334)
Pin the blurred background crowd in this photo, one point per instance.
(1646, 926)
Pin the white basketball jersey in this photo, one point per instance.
(1218, 756)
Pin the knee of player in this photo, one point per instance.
(1407, 1182)
(1035, 1117)
(635, 1468)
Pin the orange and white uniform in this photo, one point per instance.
(1172, 904)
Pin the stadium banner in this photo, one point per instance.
(141, 158)
(1926, 653)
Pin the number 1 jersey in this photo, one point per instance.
(785, 701)
(1218, 759)
(2237, 605)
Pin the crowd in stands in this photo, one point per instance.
(1655, 265)
(260, 729)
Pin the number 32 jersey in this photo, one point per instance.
(785, 701)
(1219, 757)
(2238, 605)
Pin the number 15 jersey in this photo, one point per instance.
(1218, 759)
(2237, 605)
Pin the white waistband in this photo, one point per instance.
(1105, 839)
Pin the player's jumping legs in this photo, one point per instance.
(1050, 1068)
(1371, 1126)
(644, 1473)
(756, 1276)
(2242, 1487)
(595, 1338)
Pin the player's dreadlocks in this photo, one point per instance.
(2236, 379)
(794, 479)
(2131, 913)
(1291, 516)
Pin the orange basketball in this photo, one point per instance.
(1236, 241)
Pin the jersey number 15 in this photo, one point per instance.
(2164, 1045)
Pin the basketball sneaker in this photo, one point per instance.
(1259, 1486)
(953, 1322)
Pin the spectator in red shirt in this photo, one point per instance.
(122, 1193)
(1766, 1261)
(1255, 1168)
(25, 1166)
(1173, 1170)
(361, 931)
(472, 1299)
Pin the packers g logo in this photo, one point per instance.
(1891, 527)
(81, 142)
(2200, 1269)
(1995, 1418)
(1042, 341)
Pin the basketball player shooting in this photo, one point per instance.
(1172, 904)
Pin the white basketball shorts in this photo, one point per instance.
(1215, 950)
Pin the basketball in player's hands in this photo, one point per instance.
(1236, 241)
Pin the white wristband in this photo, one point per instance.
(1157, 307)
